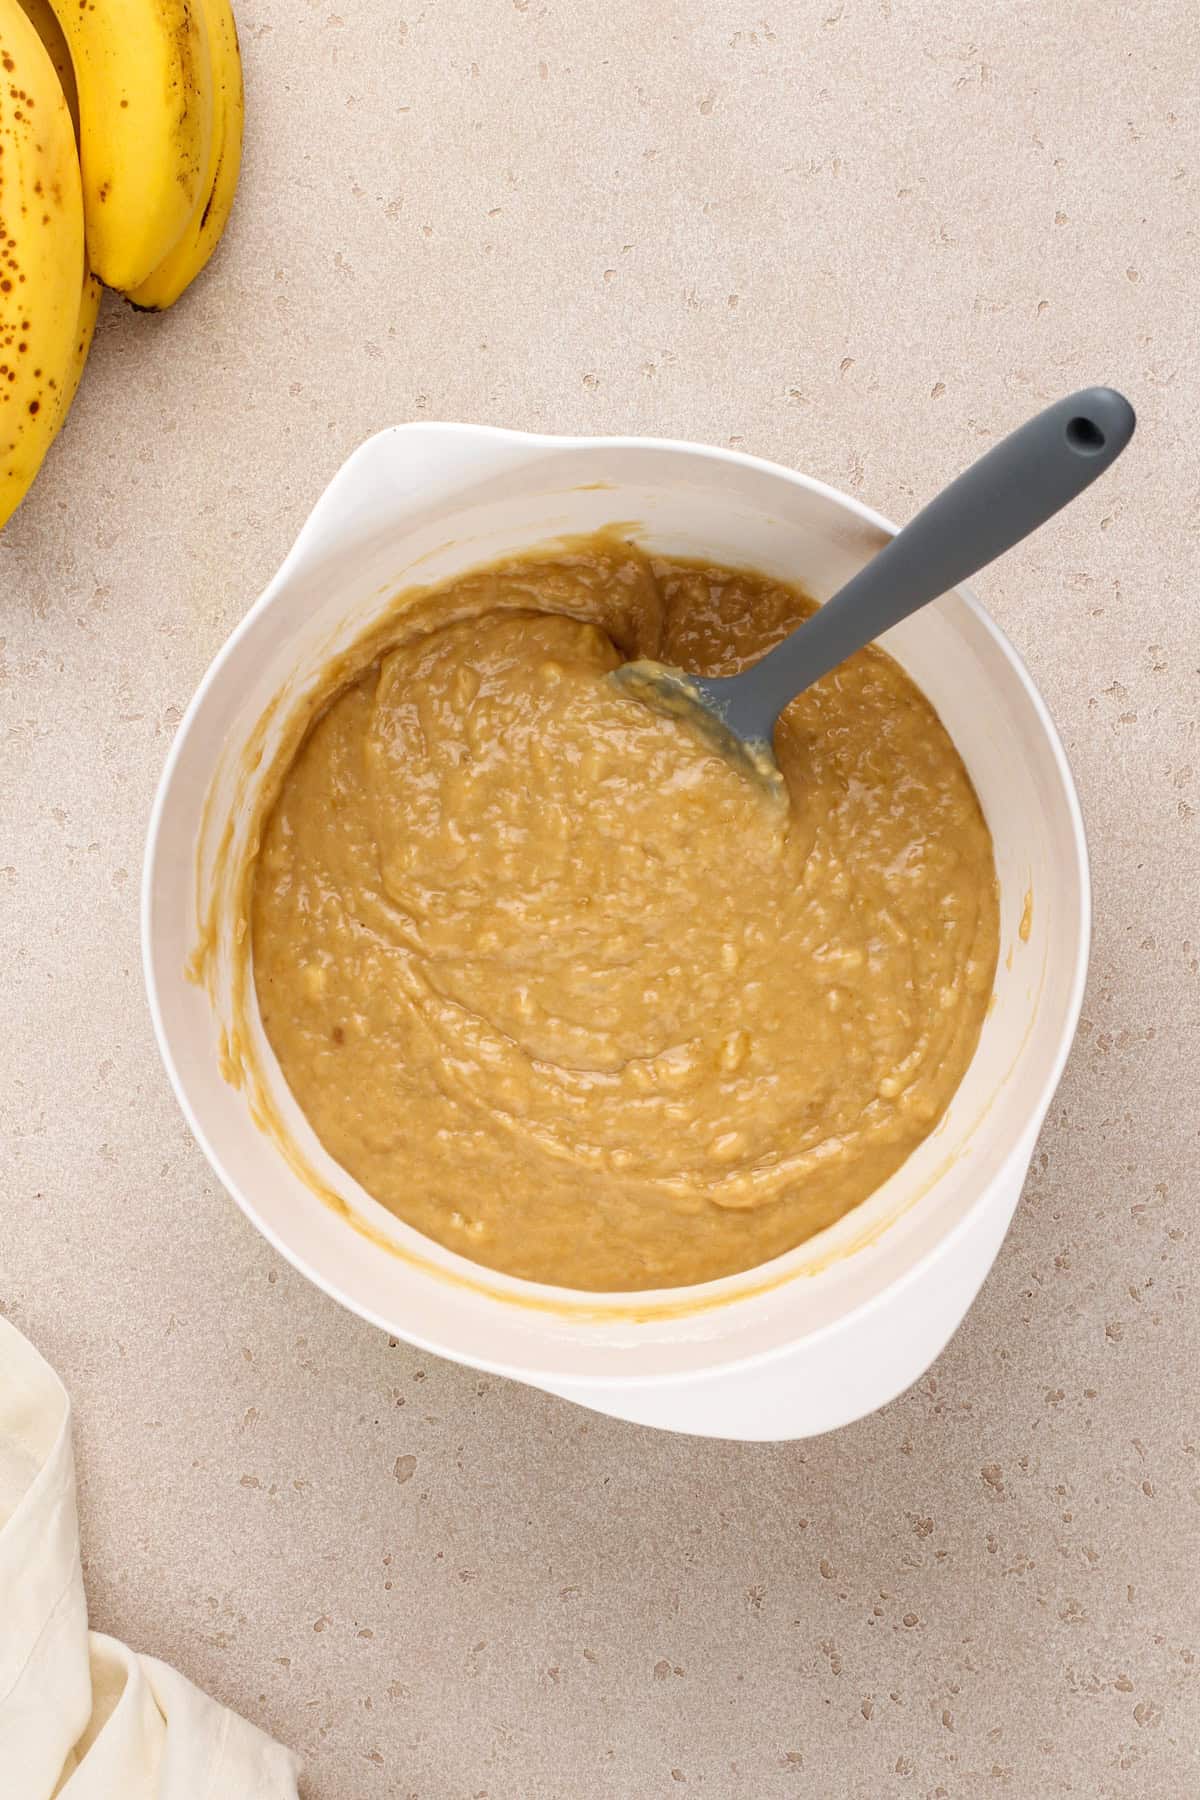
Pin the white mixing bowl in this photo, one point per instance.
(850, 1318)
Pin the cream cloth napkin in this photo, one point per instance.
(82, 1717)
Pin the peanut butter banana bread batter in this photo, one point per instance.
(560, 987)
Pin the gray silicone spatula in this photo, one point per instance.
(1008, 493)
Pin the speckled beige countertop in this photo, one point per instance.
(864, 237)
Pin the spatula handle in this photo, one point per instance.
(999, 500)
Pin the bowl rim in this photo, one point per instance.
(1015, 1157)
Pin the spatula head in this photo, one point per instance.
(695, 700)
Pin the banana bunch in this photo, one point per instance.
(120, 145)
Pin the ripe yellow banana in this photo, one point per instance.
(89, 306)
(203, 231)
(41, 16)
(41, 254)
(144, 74)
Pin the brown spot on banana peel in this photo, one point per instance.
(212, 192)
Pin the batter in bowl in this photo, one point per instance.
(564, 990)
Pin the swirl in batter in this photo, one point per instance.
(559, 987)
